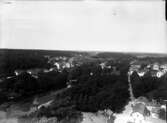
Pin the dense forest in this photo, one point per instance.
(87, 87)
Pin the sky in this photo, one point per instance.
(89, 25)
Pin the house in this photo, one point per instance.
(53, 69)
(68, 65)
(109, 66)
(154, 112)
(69, 86)
(34, 71)
(154, 108)
(46, 70)
(18, 72)
(148, 66)
(155, 66)
(91, 73)
(139, 112)
(163, 107)
(103, 65)
(135, 67)
(164, 66)
(143, 100)
(133, 62)
(57, 65)
(160, 73)
(141, 73)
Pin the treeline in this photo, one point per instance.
(91, 89)
(151, 87)
(90, 92)
(25, 85)
(99, 91)
(20, 60)
(153, 59)
(12, 59)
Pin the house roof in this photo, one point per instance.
(143, 99)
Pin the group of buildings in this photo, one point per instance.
(155, 69)
(60, 63)
(143, 109)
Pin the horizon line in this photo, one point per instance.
(98, 51)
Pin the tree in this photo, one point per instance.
(25, 84)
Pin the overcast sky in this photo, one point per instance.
(130, 26)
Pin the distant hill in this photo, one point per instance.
(71, 53)
(37, 52)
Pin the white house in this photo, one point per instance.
(18, 72)
(160, 73)
(57, 65)
(141, 73)
(155, 66)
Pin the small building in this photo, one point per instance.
(164, 66)
(139, 112)
(155, 66)
(18, 72)
(103, 65)
(34, 71)
(91, 73)
(163, 107)
(57, 65)
(154, 112)
(160, 73)
(141, 73)
(143, 100)
(46, 70)
(68, 65)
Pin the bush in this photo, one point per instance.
(162, 114)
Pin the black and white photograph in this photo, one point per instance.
(83, 61)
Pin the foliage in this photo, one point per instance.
(11, 61)
(62, 109)
(25, 85)
(99, 91)
(149, 86)
(162, 114)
